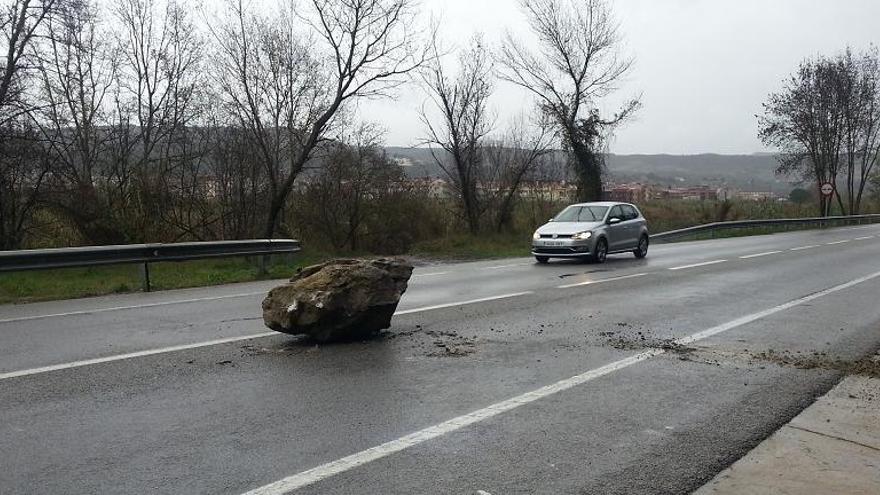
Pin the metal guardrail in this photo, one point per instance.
(143, 254)
(820, 222)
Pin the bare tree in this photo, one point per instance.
(858, 84)
(510, 159)
(874, 185)
(577, 64)
(826, 123)
(159, 79)
(20, 22)
(23, 169)
(236, 182)
(76, 75)
(457, 137)
(356, 183)
(23, 165)
(158, 75)
(188, 187)
(288, 89)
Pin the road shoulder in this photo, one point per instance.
(833, 446)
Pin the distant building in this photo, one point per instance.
(548, 190)
(698, 193)
(757, 196)
(629, 193)
(403, 162)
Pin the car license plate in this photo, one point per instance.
(553, 243)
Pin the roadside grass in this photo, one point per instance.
(70, 283)
(470, 247)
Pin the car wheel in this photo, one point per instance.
(642, 250)
(601, 251)
(542, 259)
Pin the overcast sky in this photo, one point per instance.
(703, 67)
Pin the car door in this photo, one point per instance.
(617, 232)
(632, 227)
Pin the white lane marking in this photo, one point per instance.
(436, 274)
(352, 461)
(324, 471)
(865, 238)
(612, 279)
(133, 306)
(837, 242)
(186, 301)
(463, 303)
(758, 255)
(150, 352)
(130, 355)
(162, 303)
(498, 267)
(776, 309)
(695, 265)
(811, 246)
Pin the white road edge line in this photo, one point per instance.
(758, 255)
(120, 357)
(435, 274)
(133, 306)
(162, 303)
(183, 347)
(837, 242)
(352, 461)
(183, 301)
(611, 279)
(811, 246)
(865, 238)
(695, 265)
(462, 303)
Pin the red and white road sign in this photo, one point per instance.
(827, 189)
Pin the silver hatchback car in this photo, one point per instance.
(592, 231)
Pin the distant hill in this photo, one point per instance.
(747, 172)
(754, 172)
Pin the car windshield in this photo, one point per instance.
(582, 214)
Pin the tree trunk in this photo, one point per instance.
(588, 171)
(275, 208)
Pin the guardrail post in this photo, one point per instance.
(145, 276)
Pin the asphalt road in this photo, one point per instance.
(636, 376)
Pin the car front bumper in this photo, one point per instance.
(562, 248)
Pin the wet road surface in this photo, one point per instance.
(636, 376)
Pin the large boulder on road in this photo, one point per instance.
(338, 300)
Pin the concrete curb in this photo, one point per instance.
(833, 446)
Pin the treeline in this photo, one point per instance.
(128, 121)
(149, 121)
(826, 122)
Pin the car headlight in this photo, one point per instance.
(582, 236)
(536, 236)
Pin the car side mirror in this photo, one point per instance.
(614, 220)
